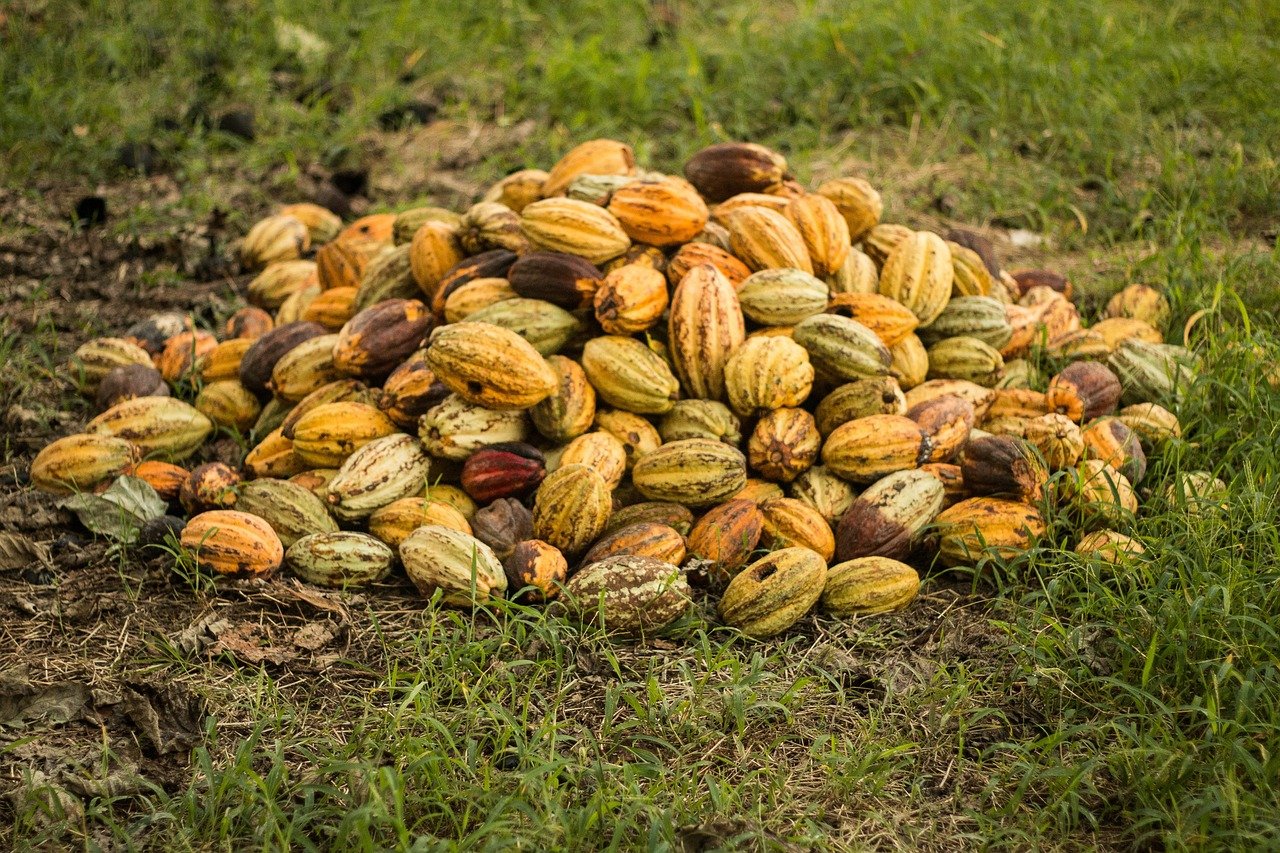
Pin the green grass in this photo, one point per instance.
(1078, 706)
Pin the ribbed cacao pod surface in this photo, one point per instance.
(979, 397)
(642, 539)
(888, 518)
(890, 321)
(304, 369)
(857, 275)
(638, 435)
(824, 230)
(627, 594)
(705, 326)
(490, 225)
(165, 477)
(725, 169)
(773, 593)
(1083, 391)
(946, 421)
(460, 568)
(784, 444)
(80, 462)
(701, 419)
(1110, 546)
(1058, 440)
(864, 450)
(247, 324)
(659, 213)
(821, 489)
(375, 341)
(410, 391)
(594, 157)
(791, 523)
(340, 559)
(490, 366)
(918, 274)
(858, 202)
(601, 451)
(536, 571)
(869, 585)
(1005, 466)
(1153, 423)
(328, 434)
(571, 508)
(842, 347)
(376, 474)
(1111, 440)
(378, 227)
(569, 411)
(233, 544)
(678, 518)
(1140, 302)
(272, 289)
(696, 253)
(91, 363)
(1102, 493)
(181, 353)
(209, 486)
(981, 528)
(292, 510)
(693, 472)
(518, 189)
(495, 263)
(338, 391)
(556, 277)
(394, 522)
(628, 375)
(574, 227)
(454, 428)
(782, 297)
(158, 426)
(258, 362)
(767, 373)
(275, 238)
(764, 239)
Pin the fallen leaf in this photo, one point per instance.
(55, 703)
(316, 635)
(120, 512)
(245, 643)
(19, 552)
(195, 638)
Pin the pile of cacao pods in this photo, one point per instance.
(602, 386)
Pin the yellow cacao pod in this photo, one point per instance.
(773, 593)
(869, 585)
(80, 462)
(490, 366)
(629, 376)
(159, 426)
(919, 275)
(705, 327)
(692, 472)
(764, 239)
(571, 508)
(574, 227)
